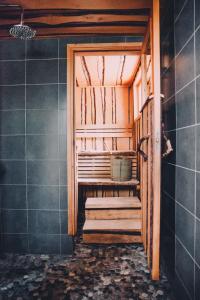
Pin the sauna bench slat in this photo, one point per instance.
(106, 182)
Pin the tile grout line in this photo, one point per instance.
(180, 12)
(195, 152)
(27, 220)
(176, 125)
(58, 138)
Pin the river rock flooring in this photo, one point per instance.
(93, 272)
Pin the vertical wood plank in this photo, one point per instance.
(156, 139)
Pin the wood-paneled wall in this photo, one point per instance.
(104, 122)
(104, 118)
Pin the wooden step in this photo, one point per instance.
(112, 231)
(112, 214)
(113, 203)
(112, 208)
(120, 226)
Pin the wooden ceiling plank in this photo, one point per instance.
(54, 20)
(83, 4)
(108, 30)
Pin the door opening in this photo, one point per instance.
(140, 127)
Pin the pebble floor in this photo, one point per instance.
(93, 272)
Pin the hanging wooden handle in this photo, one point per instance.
(139, 150)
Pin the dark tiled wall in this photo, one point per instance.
(180, 49)
(33, 144)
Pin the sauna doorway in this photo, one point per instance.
(133, 130)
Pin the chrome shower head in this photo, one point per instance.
(21, 31)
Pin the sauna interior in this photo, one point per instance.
(108, 95)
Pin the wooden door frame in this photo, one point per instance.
(153, 34)
(72, 50)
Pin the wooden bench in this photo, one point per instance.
(94, 168)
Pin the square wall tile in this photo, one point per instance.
(197, 147)
(197, 285)
(66, 244)
(197, 244)
(13, 197)
(42, 146)
(184, 25)
(63, 147)
(185, 106)
(15, 243)
(12, 147)
(197, 50)
(198, 195)
(14, 221)
(41, 122)
(185, 228)
(42, 96)
(185, 186)
(12, 122)
(185, 268)
(185, 61)
(12, 72)
(44, 221)
(43, 197)
(63, 71)
(43, 172)
(42, 71)
(12, 97)
(197, 13)
(64, 221)
(185, 147)
(62, 122)
(63, 198)
(12, 49)
(41, 49)
(63, 172)
(62, 96)
(198, 99)
(12, 172)
(178, 6)
(44, 243)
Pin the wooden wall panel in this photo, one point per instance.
(104, 121)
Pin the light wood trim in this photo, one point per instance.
(156, 139)
(70, 143)
(72, 185)
(110, 53)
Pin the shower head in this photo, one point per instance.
(21, 31)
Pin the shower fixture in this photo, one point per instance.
(21, 31)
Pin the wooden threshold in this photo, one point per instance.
(108, 238)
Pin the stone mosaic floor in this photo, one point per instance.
(93, 272)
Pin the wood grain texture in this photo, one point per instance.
(113, 202)
(111, 214)
(95, 238)
(133, 225)
(77, 4)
